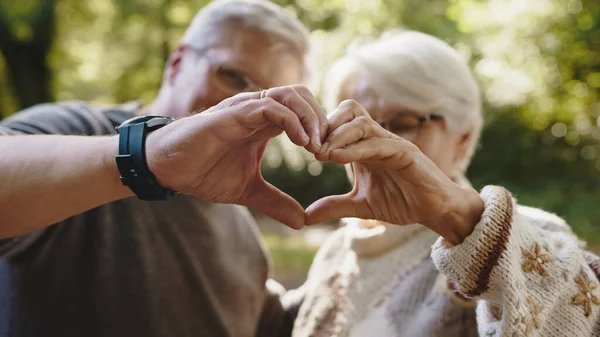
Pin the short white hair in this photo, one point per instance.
(416, 71)
(262, 15)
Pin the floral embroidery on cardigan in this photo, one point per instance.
(586, 296)
(496, 312)
(534, 260)
(532, 320)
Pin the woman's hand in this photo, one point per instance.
(393, 180)
(215, 155)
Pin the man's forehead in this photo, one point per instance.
(264, 60)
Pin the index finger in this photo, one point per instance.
(309, 117)
(346, 111)
(310, 98)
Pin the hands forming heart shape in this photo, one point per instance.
(215, 156)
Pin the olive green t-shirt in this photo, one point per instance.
(179, 267)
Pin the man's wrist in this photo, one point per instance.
(110, 148)
(132, 162)
(157, 155)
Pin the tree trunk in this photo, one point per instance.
(27, 69)
(1, 108)
(29, 74)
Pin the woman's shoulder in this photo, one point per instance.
(331, 251)
(543, 219)
(333, 245)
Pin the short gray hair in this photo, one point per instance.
(262, 15)
(417, 71)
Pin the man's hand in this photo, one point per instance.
(216, 155)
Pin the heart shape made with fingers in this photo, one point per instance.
(375, 156)
(393, 181)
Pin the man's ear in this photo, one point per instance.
(173, 66)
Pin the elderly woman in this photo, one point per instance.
(407, 126)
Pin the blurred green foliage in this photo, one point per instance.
(538, 62)
(291, 258)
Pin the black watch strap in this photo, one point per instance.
(131, 160)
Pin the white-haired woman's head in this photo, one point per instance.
(422, 80)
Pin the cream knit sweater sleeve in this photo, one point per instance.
(528, 271)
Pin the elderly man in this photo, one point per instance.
(82, 256)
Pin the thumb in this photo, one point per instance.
(331, 208)
(271, 201)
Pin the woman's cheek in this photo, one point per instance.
(439, 150)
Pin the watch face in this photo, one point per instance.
(158, 122)
(153, 120)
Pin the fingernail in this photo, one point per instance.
(305, 139)
(324, 148)
(317, 141)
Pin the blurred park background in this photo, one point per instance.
(538, 62)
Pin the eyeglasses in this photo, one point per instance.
(408, 125)
(228, 78)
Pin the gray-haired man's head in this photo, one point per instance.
(232, 46)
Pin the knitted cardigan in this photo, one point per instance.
(520, 273)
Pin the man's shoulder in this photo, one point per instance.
(70, 117)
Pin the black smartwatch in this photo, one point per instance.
(131, 160)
